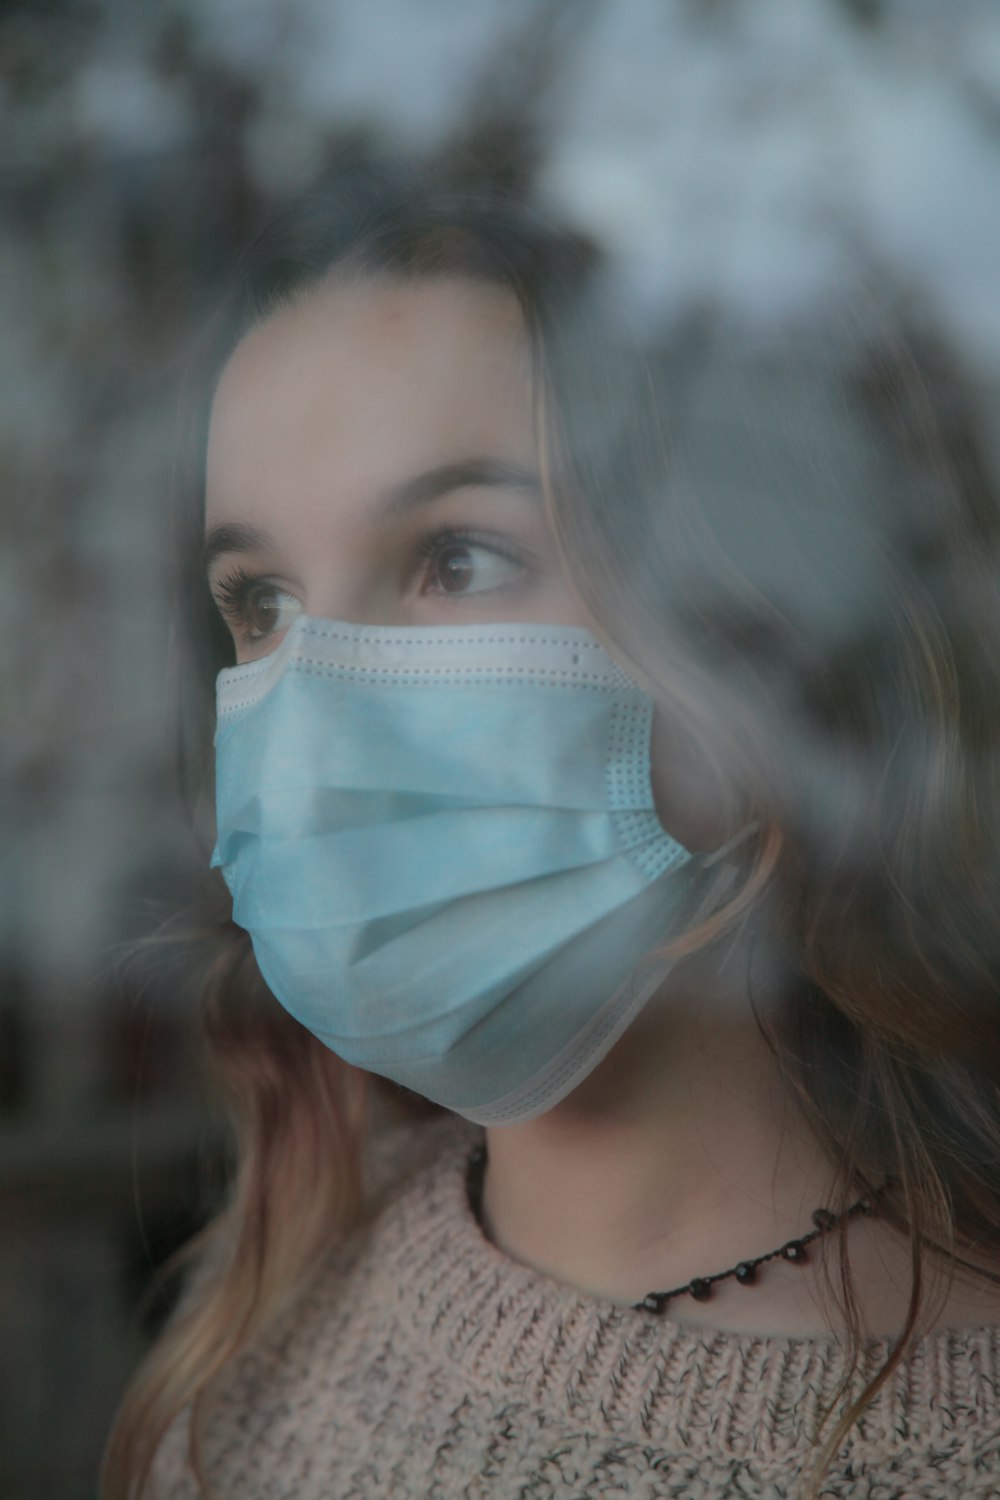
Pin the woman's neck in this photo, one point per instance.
(682, 1154)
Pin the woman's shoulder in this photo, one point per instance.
(329, 1320)
(405, 1164)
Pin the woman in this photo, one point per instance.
(648, 824)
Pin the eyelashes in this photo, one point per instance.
(254, 607)
(231, 591)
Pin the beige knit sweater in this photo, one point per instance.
(423, 1364)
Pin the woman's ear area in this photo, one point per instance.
(685, 793)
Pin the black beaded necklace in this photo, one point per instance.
(794, 1252)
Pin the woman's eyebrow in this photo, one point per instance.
(234, 537)
(469, 473)
(422, 489)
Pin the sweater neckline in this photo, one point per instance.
(522, 1336)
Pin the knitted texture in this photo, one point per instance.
(423, 1364)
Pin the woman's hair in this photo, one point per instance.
(796, 551)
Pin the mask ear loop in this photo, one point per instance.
(717, 855)
(712, 915)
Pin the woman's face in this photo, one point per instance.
(372, 459)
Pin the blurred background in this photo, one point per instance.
(737, 159)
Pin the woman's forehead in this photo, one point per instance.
(370, 379)
(360, 321)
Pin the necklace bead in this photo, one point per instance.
(745, 1271)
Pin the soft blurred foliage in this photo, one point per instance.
(736, 158)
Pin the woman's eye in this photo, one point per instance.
(255, 609)
(269, 610)
(461, 566)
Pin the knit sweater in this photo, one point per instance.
(421, 1363)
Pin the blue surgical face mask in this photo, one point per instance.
(443, 845)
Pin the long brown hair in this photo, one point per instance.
(847, 703)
